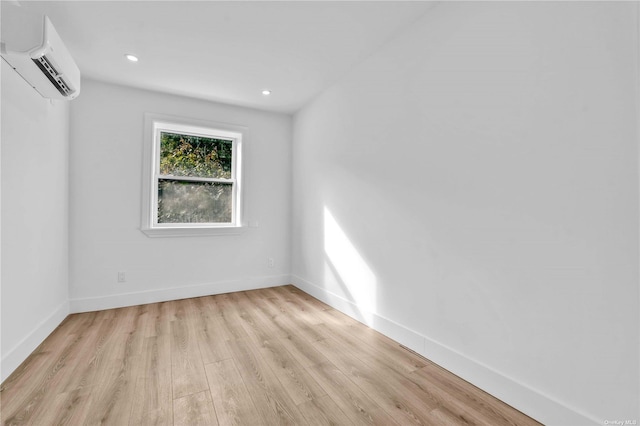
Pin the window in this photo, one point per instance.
(192, 179)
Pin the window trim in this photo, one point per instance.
(153, 125)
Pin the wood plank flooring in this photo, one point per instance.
(264, 357)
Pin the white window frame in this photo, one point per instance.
(154, 125)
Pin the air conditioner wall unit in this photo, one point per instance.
(31, 46)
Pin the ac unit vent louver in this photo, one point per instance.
(53, 75)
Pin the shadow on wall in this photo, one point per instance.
(345, 266)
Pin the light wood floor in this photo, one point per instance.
(263, 357)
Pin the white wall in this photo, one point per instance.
(105, 180)
(35, 263)
(472, 190)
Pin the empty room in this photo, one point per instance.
(320, 212)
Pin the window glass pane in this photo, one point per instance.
(194, 202)
(186, 155)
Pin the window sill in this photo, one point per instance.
(193, 231)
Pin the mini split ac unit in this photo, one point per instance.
(31, 46)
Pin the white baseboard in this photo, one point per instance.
(520, 396)
(16, 355)
(174, 293)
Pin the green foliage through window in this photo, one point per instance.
(195, 156)
(194, 201)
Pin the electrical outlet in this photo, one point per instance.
(271, 262)
(122, 277)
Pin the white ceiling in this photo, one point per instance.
(227, 51)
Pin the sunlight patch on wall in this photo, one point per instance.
(352, 272)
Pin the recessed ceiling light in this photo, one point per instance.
(266, 92)
(132, 58)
